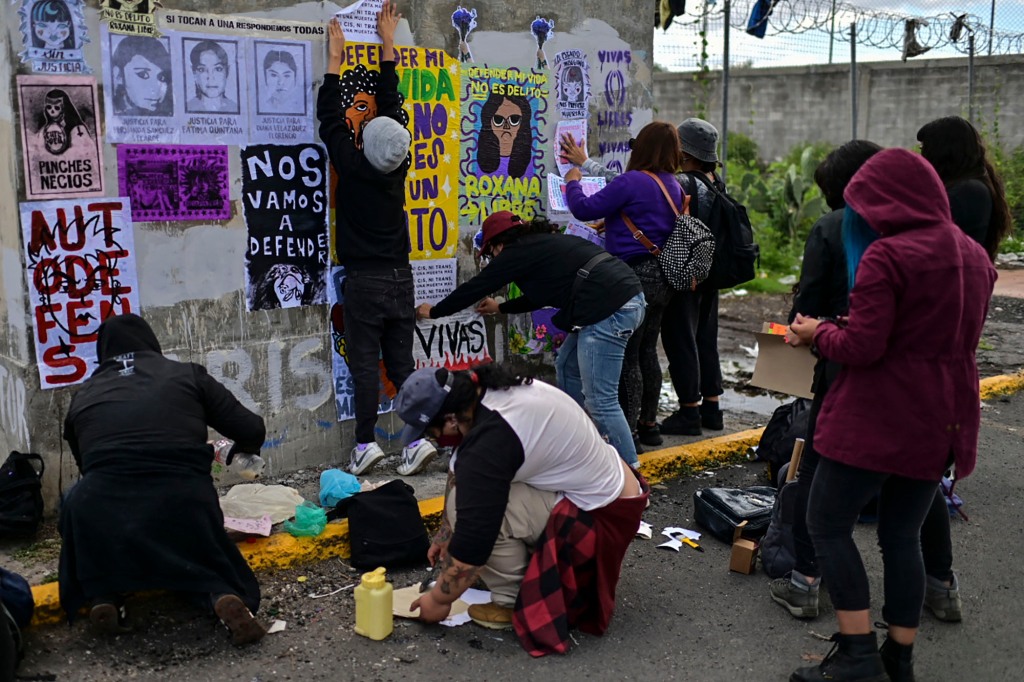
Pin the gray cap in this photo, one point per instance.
(419, 401)
(385, 143)
(699, 139)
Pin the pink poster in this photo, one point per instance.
(175, 182)
(60, 137)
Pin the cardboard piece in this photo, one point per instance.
(781, 367)
(744, 552)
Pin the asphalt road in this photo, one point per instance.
(679, 616)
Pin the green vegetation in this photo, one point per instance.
(1010, 166)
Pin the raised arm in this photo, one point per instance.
(229, 417)
(388, 102)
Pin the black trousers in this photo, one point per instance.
(689, 335)
(380, 321)
(838, 494)
(640, 381)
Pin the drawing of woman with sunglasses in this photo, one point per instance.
(506, 136)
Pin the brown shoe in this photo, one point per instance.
(493, 616)
(244, 627)
(109, 618)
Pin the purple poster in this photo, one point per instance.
(175, 182)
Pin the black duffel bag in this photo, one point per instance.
(384, 527)
(21, 495)
(720, 510)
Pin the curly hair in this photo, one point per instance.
(489, 154)
(463, 395)
(361, 79)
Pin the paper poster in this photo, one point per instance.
(428, 81)
(505, 150)
(543, 30)
(556, 190)
(359, 21)
(577, 130)
(60, 137)
(280, 91)
(433, 279)
(285, 206)
(173, 182)
(138, 93)
(464, 21)
(458, 341)
(130, 17)
(572, 84)
(344, 388)
(534, 333)
(590, 232)
(241, 26)
(80, 267)
(212, 88)
(54, 32)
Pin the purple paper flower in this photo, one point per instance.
(542, 29)
(464, 21)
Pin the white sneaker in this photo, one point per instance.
(416, 456)
(362, 461)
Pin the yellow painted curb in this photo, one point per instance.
(281, 550)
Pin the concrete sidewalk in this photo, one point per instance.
(281, 550)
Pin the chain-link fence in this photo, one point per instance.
(801, 32)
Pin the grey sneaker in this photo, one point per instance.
(799, 598)
(942, 601)
(362, 460)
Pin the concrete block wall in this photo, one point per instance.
(191, 275)
(782, 107)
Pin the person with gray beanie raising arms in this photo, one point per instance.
(362, 123)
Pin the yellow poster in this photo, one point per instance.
(429, 83)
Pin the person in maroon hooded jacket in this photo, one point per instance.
(904, 407)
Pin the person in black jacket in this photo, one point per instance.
(600, 301)
(362, 123)
(145, 514)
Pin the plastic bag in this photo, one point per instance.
(310, 521)
(253, 500)
(335, 486)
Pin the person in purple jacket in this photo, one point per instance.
(904, 407)
(637, 195)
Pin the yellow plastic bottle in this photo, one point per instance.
(374, 603)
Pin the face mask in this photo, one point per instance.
(453, 440)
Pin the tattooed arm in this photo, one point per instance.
(454, 578)
(439, 545)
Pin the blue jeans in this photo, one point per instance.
(589, 365)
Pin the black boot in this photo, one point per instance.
(854, 658)
(683, 422)
(649, 435)
(898, 660)
(711, 415)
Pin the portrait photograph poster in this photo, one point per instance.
(212, 88)
(139, 89)
(175, 182)
(280, 77)
(60, 137)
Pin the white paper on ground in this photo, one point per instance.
(673, 531)
(645, 531)
(671, 544)
(276, 626)
(404, 597)
(260, 526)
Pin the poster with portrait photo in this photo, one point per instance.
(175, 182)
(572, 84)
(139, 90)
(284, 201)
(54, 32)
(60, 137)
(211, 87)
(129, 17)
(280, 91)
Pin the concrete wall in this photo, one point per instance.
(780, 108)
(190, 279)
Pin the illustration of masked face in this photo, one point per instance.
(130, 5)
(55, 137)
(280, 81)
(145, 83)
(362, 111)
(505, 125)
(52, 33)
(211, 75)
(572, 90)
(289, 287)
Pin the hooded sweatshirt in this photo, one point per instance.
(906, 401)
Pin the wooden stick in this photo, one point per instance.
(794, 460)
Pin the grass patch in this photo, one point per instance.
(44, 550)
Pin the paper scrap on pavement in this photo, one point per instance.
(459, 615)
(260, 526)
(359, 21)
(276, 626)
(671, 544)
(645, 531)
(673, 531)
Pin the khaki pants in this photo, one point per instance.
(525, 519)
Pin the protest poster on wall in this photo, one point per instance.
(433, 279)
(359, 21)
(139, 89)
(60, 137)
(240, 26)
(556, 192)
(458, 341)
(344, 388)
(211, 88)
(577, 131)
(505, 151)
(80, 268)
(173, 182)
(572, 84)
(285, 206)
(130, 17)
(592, 232)
(428, 81)
(280, 90)
(54, 32)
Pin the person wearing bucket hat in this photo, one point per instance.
(599, 299)
(530, 461)
(362, 124)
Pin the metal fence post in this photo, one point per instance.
(853, 78)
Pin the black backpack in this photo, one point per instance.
(778, 547)
(384, 527)
(736, 253)
(788, 422)
(21, 495)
